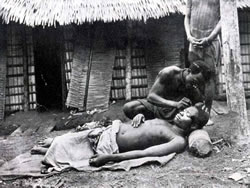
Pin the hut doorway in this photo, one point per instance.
(48, 61)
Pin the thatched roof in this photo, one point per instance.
(50, 12)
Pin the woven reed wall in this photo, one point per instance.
(3, 61)
(20, 67)
(80, 61)
(244, 26)
(165, 42)
(101, 70)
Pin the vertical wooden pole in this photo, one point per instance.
(62, 53)
(3, 62)
(92, 40)
(25, 72)
(232, 62)
(128, 77)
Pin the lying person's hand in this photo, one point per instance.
(98, 160)
(183, 103)
(138, 120)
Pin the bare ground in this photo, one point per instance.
(184, 170)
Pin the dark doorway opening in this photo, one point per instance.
(47, 54)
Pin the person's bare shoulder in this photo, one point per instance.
(168, 72)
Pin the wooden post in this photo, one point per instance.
(232, 62)
(3, 62)
(92, 31)
(25, 72)
(128, 77)
(62, 53)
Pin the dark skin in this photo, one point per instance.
(153, 138)
(168, 84)
(203, 41)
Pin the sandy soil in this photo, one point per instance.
(184, 170)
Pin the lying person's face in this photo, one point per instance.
(184, 118)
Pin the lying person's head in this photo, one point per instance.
(192, 118)
(199, 73)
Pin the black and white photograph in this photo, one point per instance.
(124, 93)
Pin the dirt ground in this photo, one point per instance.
(185, 170)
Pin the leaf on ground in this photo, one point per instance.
(237, 176)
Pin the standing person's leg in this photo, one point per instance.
(212, 58)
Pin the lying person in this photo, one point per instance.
(121, 141)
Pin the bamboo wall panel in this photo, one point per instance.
(244, 26)
(101, 71)
(68, 32)
(118, 76)
(19, 49)
(3, 60)
(31, 69)
(139, 74)
(80, 61)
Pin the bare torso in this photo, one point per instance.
(168, 83)
(152, 132)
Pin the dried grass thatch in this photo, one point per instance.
(50, 12)
(243, 3)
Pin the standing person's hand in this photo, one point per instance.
(194, 41)
(183, 103)
(203, 42)
(137, 120)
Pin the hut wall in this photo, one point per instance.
(20, 84)
(103, 58)
(139, 75)
(3, 61)
(79, 70)
(244, 27)
(68, 35)
(132, 51)
(166, 39)
(118, 76)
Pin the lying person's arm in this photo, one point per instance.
(176, 145)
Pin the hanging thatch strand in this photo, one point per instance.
(50, 12)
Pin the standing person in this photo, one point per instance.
(202, 25)
(173, 90)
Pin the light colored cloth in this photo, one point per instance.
(69, 150)
(107, 143)
(73, 150)
(204, 16)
